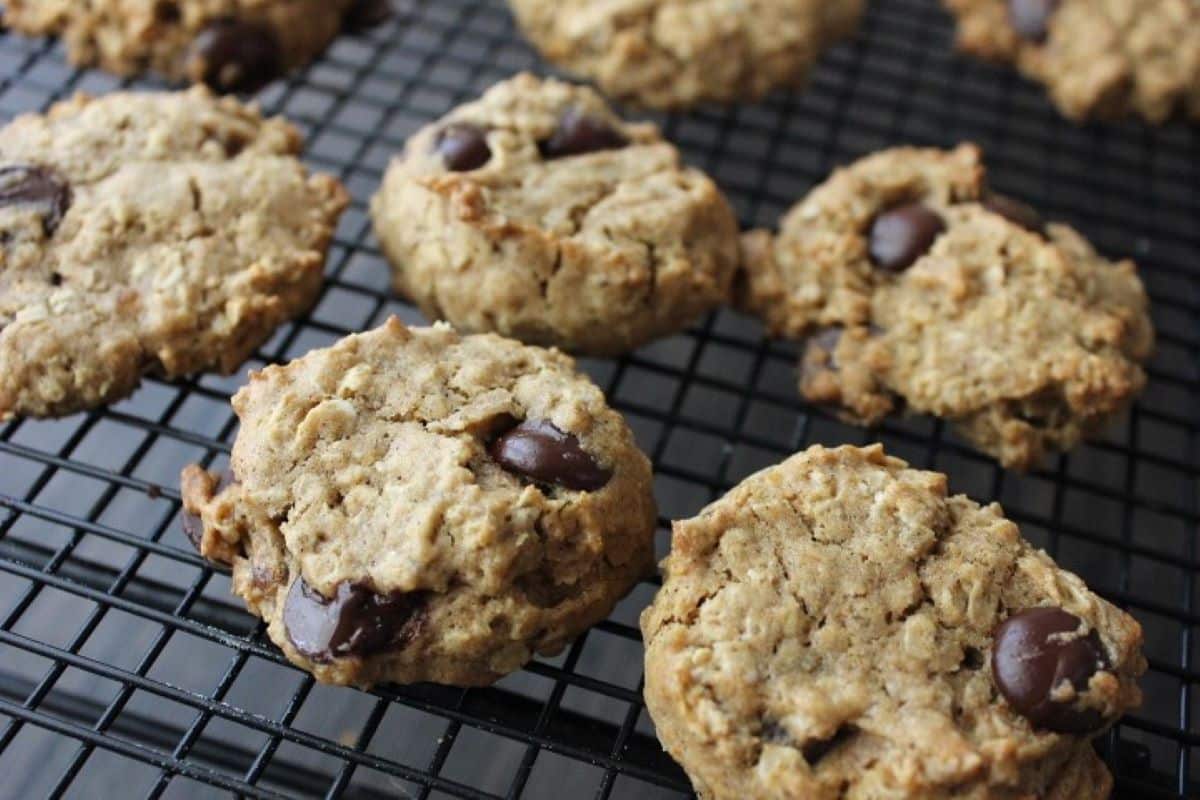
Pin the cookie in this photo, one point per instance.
(415, 505)
(920, 288)
(537, 213)
(157, 233)
(231, 45)
(1097, 58)
(678, 53)
(838, 626)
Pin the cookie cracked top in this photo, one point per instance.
(231, 45)
(160, 233)
(412, 504)
(536, 212)
(1097, 58)
(922, 289)
(677, 53)
(839, 626)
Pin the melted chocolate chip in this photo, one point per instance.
(902, 235)
(193, 527)
(1035, 652)
(354, 622)
(39, 187)
(579, 133)
(234, 56)
(1021, 214)
(539, 451)
(463, 147)
(1031, 18)
(366, 14)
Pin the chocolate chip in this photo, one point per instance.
(193, 526)
(1031, 18)
(39, 187)
(234, 56)
(366, 14)
(463, 147)
(579, 133)
(902, 235)
(539, 451)
(1035, 652)
(1020, 214)
(356, 621)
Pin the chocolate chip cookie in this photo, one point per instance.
(838, 626)
(919, 288)
(159, 233)
(1097, 58)
(415, 505)
(677, 53)
(536, 212)
(231, 45)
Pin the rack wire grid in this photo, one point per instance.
(128, 670)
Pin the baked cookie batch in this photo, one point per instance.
(443, 503)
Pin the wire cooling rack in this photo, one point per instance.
(127, 670)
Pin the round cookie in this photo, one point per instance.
(677, 53)
(921, 289)
(537, 213)
(1096, 58)
(837, 626)
(157, 233)
(415, 505)
(232, 45)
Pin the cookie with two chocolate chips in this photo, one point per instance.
(918, 287)
(412, 504)
(839, 625)
(231, 45)
(536, 212)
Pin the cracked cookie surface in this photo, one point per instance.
(233, 45)
(831, 628)
(156, 233)
(1097, 58)
(677, 53)
(415, 505)
(537, 213)
(918, 288)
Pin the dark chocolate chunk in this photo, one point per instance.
(1016, 212)
(463, 147)
(193, 527)
(1036, 651)
(902, 235)
(234, 56)
(579, 133)
(366, 14)
(539, 451)
(39, 187)
(354, 622)
(1031, 18)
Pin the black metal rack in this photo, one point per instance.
(127, 669)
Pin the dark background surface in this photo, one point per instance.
(127, 670)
